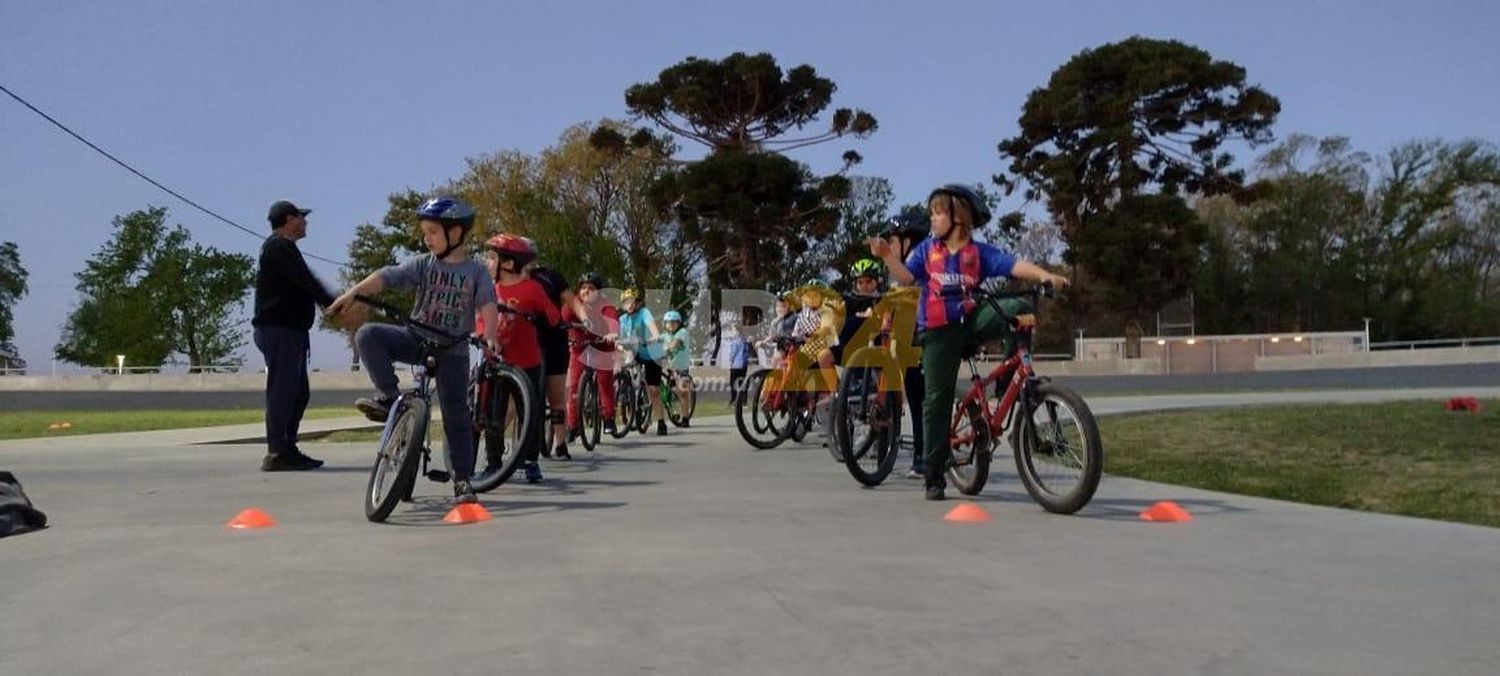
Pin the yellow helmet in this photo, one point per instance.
(628, 294)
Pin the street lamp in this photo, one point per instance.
(120, 361)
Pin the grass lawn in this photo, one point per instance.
(30, 424)
(1410, 458)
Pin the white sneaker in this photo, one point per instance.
(914, 474)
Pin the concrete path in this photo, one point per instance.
(695, 555)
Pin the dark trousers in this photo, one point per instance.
(381, 345)
(736, 378)
(285, 350)
(916, 389)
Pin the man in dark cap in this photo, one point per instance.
(285, 292)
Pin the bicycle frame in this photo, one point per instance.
(1017, 370)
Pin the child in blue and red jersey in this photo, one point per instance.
(947, 266)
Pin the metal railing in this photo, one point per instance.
(1440, 342)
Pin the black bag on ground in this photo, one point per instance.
(16, 513)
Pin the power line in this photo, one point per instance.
(148, 179)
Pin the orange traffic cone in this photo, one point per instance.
(1166, 511)
(251, 518)
(967, 512)
(467, 513)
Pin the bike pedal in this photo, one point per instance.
(438, 475)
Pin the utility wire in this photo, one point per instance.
(148, 179)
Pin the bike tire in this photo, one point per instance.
(969, 465)
(642, 398)
(590, 419)
(1032, 450)
(510, 424)
(752, 419)
(395, 470)
(684, 406)
(860, 399)
(624, 406)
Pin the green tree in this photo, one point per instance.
(149, 292)
(12, 289)
(750, 208)
(1129, 127)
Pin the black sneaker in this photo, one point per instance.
(463, 493)
(609, 426)
(687, 423)
(661, 428)
(561, 453)
(376, 409)
(533, 473)
(306, 459)
(935, 491)
(283, 462)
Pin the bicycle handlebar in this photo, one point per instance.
(396, 313)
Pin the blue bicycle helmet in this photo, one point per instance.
(672, 316)
(450, 212)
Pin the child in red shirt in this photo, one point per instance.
(587, 346)
(506, 256)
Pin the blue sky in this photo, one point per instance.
(336, 104)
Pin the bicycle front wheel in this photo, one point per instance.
(1058, 452)
(590, 419)
(867, 417)
(683, 403)
(509, 421)
(641, 396)
(395, 470)
(624, 412)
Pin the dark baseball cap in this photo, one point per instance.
(281, 209)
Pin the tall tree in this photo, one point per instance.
(150, 292)
(746, 204)
(12, 289)
(1120, 122)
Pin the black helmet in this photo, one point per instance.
(910, 227)
(963, 192)
(594, 278)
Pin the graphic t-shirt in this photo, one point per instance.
(946, 278)
(448, 294)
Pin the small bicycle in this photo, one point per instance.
(403, 447)
(1051, 430)
(590, 407)
(776, 404)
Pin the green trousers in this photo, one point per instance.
(942, 353)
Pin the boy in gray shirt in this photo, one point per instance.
(450, 288)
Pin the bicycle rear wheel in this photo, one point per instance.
(867, 417)
(1058, 452)
(395, 469)
(624, 412)
(758, 413)
(972, 446)
(590, 419)
(510, 419)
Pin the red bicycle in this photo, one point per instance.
(1046, 426)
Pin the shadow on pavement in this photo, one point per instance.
(429, 511)
(1129, 509)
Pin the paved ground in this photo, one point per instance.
(694, 554)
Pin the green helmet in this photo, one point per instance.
(867, 267)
